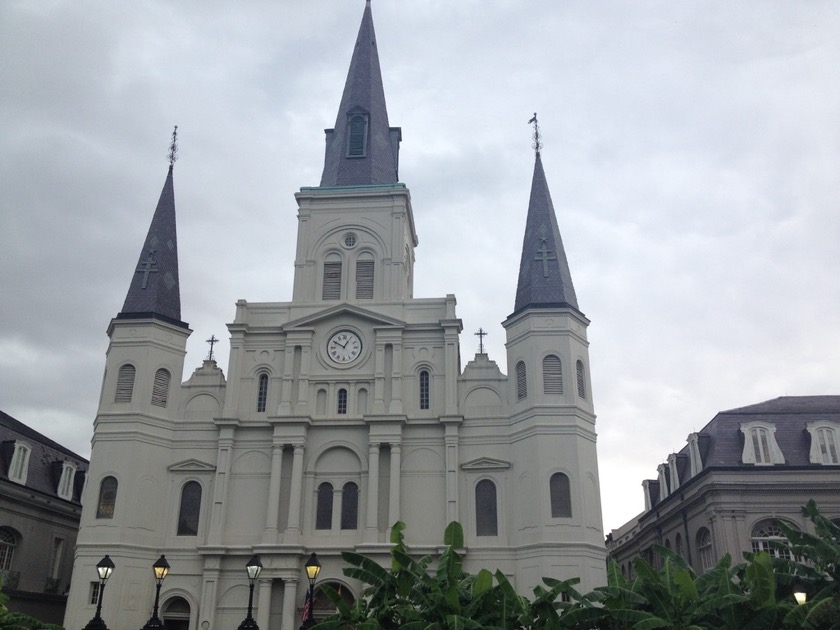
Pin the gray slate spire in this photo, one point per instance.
(154, 289)
(369, 155)
(544, 276)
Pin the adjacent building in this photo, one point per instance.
(40, 486)
(728, 488)
(343, 410)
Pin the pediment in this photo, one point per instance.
(340, 311)
(486, 463)
(192, 466)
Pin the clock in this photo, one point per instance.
(344, 346)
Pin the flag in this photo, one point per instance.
(307, 604)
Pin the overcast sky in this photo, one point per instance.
(692, 150)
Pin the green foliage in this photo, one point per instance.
(754, 595)
(17, 621)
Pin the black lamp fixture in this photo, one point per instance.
(104, 569)
(161, 569)
(313, 569)
(800, 594)
(253, 569)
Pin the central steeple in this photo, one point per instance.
(362, 149)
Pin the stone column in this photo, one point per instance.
(263, 603)
(394, 490)
(289, 609)
(270, 533)
(293, 530)
(372, 525)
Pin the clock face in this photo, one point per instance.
(344, 346)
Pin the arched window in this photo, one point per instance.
(160, 390)
(107, 498)
(486, 519)
(262, 392)
(190, 509)
(125, 384)
(704, 549)
(350, 506)
(332, 279)
(581, 379)
(357, 138)
(8, 542)
(765, 535)
(424, 389)
(324, 507)
(552, 375)
(678, 545)
(521, 381)
(364, 278)
(561, 496)
(342, 402)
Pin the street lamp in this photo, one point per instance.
(253, 569)
(104, 569)
(161, 569)
(313, 569)
(799, 594)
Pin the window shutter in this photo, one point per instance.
(521, 381)
(356, 137)
(125, 384)
(160, 390)
(581, 380)
(552, 375)
(364, 280)
(332, 281)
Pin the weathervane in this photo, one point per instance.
(537, 145)
(173, 147)
(481, 335)
(212, 341)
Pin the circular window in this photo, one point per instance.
(350, 240)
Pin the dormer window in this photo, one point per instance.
(65, 483)
(357, 127)
(19, 469)
(824, 442)
(760, 447)
(694, 458)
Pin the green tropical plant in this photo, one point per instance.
(18, 621)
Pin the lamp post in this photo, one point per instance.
(161, 569)
(800, 594)
(104, 569)
(253, 569)
(313, 569)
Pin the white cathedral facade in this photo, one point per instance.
(343, 411)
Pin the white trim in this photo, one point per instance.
(825, 442)
(760, 447)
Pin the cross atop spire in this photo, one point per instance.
(173, 147)
(537, 145)
(481, 335)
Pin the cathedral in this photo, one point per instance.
(343, 411)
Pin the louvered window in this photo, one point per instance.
(356, 139)
(561, 496)
(521, 381)
(349, 506)
(486, 513)
(332, 281)
(190, 509)
(160, 390)
(125, 384)
(424, 389)
(342, 402)
(364, 279)
(107, 498)
(324, 508)
(552, 375)
(581, 380)
(262, 393)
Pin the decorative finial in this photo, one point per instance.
(481, 335)
(173, 148)
(212, 341)
(537, 145)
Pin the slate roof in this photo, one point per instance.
(363, 93)
(721, 442)
(43, 475)
(544, 275)
(155, 289)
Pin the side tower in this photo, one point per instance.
(552, 417)
(135, 428)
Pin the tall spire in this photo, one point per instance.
(154, 290)
(362, 150)
(544, 276)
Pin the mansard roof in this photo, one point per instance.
(544, 276)
(154, 290)
(375, 161)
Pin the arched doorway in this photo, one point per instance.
(176, 614)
